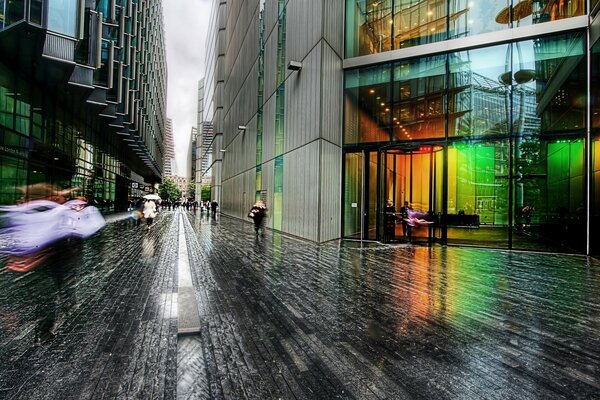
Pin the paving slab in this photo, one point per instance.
(281, 317)
(287, 318)
(95, 320)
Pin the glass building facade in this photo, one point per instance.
(82, 99)
(496, 139)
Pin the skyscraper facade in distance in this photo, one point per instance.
(204, 140)
(82, 98)
(481, 116)
(213, 100)
(170, 167)
(192, 155)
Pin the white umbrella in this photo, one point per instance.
(152, 197)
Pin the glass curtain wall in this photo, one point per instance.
(549, 86)
(367, 105)
(45, 150)
(512, 118)
(375, 26)
(595, 148)
(63, 16)
(353, 194)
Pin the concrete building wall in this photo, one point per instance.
(312, 114)
(218, 99)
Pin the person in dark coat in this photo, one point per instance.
(257, 213)
(390, 221)
(213, 207)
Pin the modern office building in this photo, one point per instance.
(82, 98)
(192, 155)
(213, 99)
(204, 141)
(170, 165)
(483, 116)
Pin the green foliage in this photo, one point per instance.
(191, 190)
(169, 191)
(205, 195)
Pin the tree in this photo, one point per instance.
(205, 195)
(169, 191)
(191, 190)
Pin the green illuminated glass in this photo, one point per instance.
(259, 113)
(478, 193)
(279, 119)
(22, 122)
(595, 195)
(258, 186)
(281, 38)
(549, 205)
(281, 70)
(595, 156)
(352, 194)
(7, 105)
(371, 202)
(278, 194)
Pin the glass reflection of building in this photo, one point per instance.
(82, 98)
(485, 133)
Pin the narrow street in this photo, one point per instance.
(285, 318)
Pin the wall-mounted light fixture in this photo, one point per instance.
(294, 65)
(242, 127)
(222, 150)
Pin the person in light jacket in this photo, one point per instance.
(149, 212)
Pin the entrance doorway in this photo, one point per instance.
(412, 177)
(408, 174)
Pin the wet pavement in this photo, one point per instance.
(285, 318)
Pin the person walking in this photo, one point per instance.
(213, 207)
(149, 212)
(138, 212)
(257, 213)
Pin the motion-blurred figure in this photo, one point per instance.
(257, 213)
(29, 228)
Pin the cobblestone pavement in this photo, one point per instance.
(286, 318)
(97, 320)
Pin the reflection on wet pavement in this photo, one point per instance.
(286, 318)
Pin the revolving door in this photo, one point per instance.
(411, 175)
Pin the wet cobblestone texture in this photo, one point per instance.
(97, 320)
(286, 318)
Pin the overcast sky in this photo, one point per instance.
(186, 25)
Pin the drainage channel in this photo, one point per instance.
(188, 319)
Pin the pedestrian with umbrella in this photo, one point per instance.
(150, 208)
